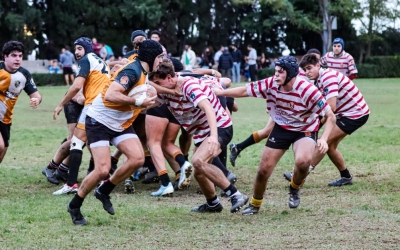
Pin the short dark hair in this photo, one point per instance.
(158, 33)
(249, 46)
(165, 68)
(11, 46)
(67, 47)
(308, 59)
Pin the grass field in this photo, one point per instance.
(365, 215)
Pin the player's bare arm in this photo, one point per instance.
(330, 121)
(235, 92)
(115, 94)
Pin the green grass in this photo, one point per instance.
(365, 215)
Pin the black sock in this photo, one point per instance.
(65, 139)
(230, 190)
(75, 160)
(217, 162)
(91, 164)
(107, 187)
(213, 201)
(180, 159)
(148, 162)
(223, 154)
(76, 202)
(164, 178)
(63, 168)
(244, 144)
(345, 173)
(114, 160)
(187, 157)
(52, 165)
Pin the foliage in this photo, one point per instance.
(264, 73)
(43, 79)
(380, 66)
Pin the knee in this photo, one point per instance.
(198, 163)
(262, 174)
(303, 164)
(135, 161)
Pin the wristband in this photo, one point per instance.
(140, 99)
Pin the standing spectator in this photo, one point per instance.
(188, 58)
(237, 60)
(226, 63)
(217, 55)
(340, 60)
(106, 52)
(53, 67)
(51, 53)
(96, 46)
(156, 36)
(263, 62)
(252, 61)
(67, 59)
(207, 61)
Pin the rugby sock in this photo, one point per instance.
(345, 173)
(213, 201)
(149, 163)
(187, 157)
(63, 168)
(107, 187)
(164, 178)
(179, 158)
(65, 139)
(256, 202)
(253, 139)
(294, 185)
(91, 164)
(52, 165)
(231, 190)
(75, 160)
(76, 202)
(223, 154)
(217, 162)
(114, 160)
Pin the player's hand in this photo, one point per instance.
(148, 102)
(34, 103)
(217, 74)
(322, 146)
(125, 60)
(213, 146)
(57, 112)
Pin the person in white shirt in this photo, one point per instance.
(252, 62)
(188, 58)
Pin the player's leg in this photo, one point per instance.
(4, 139)
(254, 138)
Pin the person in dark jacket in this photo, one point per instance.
(226, 63)
(237, 57)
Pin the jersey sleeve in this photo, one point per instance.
(83, 67)
(194, 92)
(30, 86)
(127, 78)
(316, 103)
(352, 66)
(260, 88)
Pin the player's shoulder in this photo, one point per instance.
(25, 72)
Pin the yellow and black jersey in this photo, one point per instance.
(131, 55)
(11, 85)
(96, 72)
(119, 117)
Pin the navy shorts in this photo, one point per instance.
(162, 111)
(224, 136)
(349, 125)
(5, 133)
(100, 135)
(281, 138)
(72, 111)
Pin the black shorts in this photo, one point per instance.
(5, 133)
(163, 112)
(67, 71)
(229, 103)
(72, 111)
(349, 125)
(100, 135)
(281, 138)
(224, 136)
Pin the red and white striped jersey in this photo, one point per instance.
(350, 102)
(296, 110)
(185, 108)
(344, 64)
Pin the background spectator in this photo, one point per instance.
(226, 63)
(207, 60)
(53, 67)
(188, 58)
(67, 59)
(263, 62)
(237, 57)
(96, 46)
(156, 36)
(252, 61)
(217, 55)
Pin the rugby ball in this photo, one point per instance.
(143, 89)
